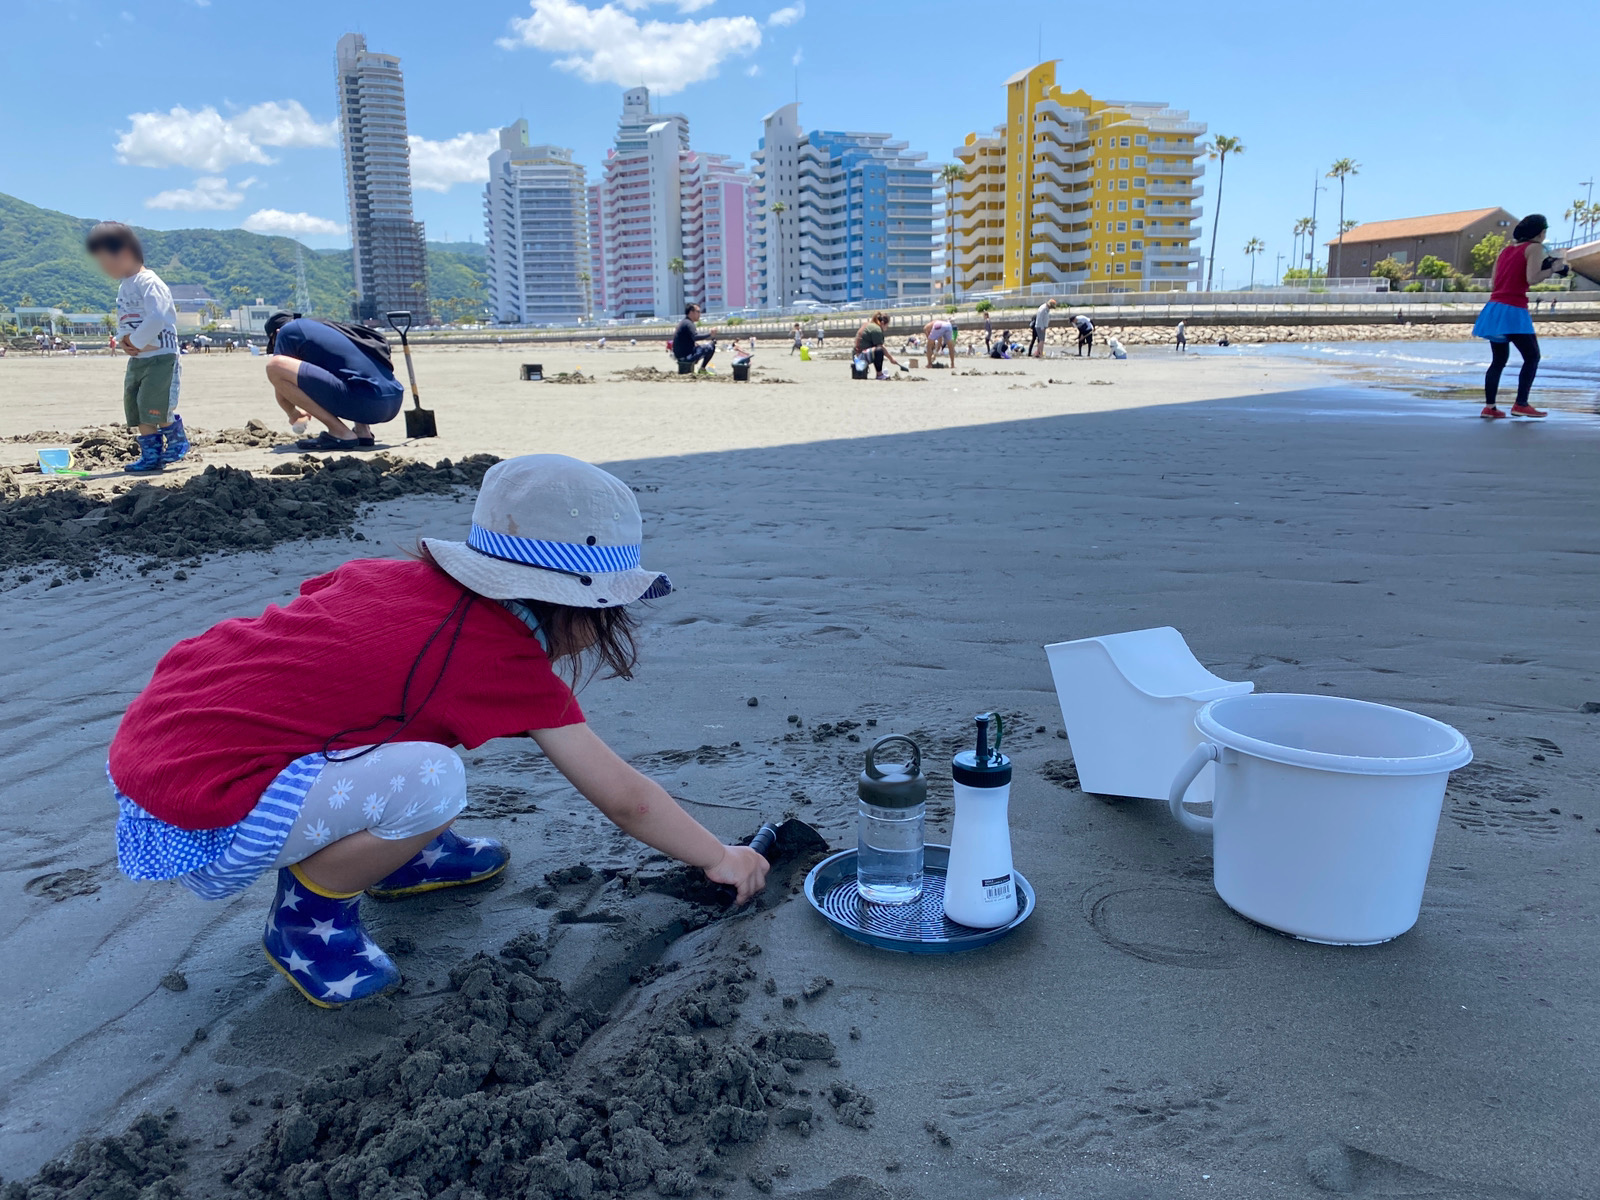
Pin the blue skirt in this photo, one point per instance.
(1498, 322)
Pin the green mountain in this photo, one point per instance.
(42, 259)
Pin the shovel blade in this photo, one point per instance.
(420, 423)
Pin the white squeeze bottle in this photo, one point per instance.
(978, 889)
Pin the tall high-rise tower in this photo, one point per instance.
(388, 246)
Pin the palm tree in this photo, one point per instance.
(1221, 146)
(778, 208)
(1341, 170)
(584, 280)
(1575, 213)
(950, 175)
(1252, 248)
(1303, 228)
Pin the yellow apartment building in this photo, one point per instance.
(1077, 190)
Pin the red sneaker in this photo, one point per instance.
(1527, 410)
(1492, 412)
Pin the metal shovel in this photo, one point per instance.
(419, 420)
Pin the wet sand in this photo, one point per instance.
(899, 553)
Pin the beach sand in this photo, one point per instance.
(899, 553)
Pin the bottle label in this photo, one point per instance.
(998, 888)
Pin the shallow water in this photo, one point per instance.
(1569, 370)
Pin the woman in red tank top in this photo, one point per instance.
(1505, 320)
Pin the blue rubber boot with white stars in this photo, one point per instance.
(176, 440)
(316, 940)
(448, 861)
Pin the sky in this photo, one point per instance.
(174, 113)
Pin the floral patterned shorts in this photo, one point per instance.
(396, 791)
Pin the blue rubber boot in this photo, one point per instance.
(177, 439)
(316, 940)
(447, 861)
(149, 461)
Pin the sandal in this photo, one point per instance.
(326, 441)
(366, 443)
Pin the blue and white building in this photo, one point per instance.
(845, 217)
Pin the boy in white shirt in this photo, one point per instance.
(147, 325)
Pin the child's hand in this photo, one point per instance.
(127, 346)
(741, 868)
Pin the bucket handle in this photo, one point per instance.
(1202, 754)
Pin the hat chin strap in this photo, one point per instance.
(573, 558)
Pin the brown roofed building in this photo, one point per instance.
(1450, 236)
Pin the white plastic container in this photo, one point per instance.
(1324, 811)
(1128, 702)
(979, 889)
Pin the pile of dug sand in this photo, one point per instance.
(653, 375)
(479, 1100)
(221, 509)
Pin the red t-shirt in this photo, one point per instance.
(226, 711)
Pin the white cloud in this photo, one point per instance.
(789, 14)
(799, 55)
(439, 166)
(275, 220)
(608, 45)
(210, 193)
(205, 140)
(753, 70)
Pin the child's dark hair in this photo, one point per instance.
(604, 637)
(113, 237)
(1530, 227)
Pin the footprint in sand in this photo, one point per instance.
(64, 885)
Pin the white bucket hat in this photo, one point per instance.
(552, 528)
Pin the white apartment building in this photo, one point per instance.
(535, 222)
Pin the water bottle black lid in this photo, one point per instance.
(897, 787)
(982, 767)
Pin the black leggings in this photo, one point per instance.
(1527, 345)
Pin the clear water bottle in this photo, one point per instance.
(894, 804)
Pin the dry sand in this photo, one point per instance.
(899, 553)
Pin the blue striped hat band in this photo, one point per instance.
(570, 557)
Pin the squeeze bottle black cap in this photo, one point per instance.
(983, 767)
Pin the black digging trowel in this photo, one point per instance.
(793, 848)
(787, 840)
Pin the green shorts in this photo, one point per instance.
(150, 390)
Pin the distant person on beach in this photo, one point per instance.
(334, 372)
(870, 344)
(940, 334)
(1505, 322)
(799, 340)
(1115, 347)
(988, 333)
(1002, 348)
(1039, 330)
(147, 324)
(690, 345)
(1183, 338)
(1085, 335)
(267, 746)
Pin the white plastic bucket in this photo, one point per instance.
(1324, 811)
